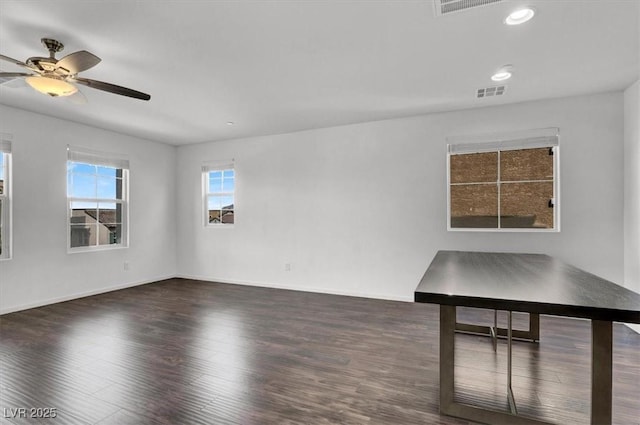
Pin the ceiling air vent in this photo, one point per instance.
(444, 7)
(491, 91)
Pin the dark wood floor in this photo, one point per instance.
(188, 352)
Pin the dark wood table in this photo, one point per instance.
(533, 283)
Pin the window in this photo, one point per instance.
(97, 197)
(219, 193)
(5, 199)
(506, 184)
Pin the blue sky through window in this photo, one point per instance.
(91, 182)
(221, 188)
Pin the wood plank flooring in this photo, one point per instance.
(189, 352)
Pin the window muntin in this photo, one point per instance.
(5, 200)
(97, 203)
(220, 184)
(504, 189)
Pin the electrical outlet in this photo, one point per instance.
(287, 267)
(126, 266)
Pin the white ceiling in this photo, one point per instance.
(281, 66)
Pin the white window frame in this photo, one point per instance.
(113, 160)
(207, 168)
(530, 139)
(5, 199)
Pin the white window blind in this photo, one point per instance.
(217, 165)
(105, 159)
(530, 139)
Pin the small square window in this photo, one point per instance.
(504, 189)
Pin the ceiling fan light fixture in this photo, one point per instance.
(51, 86)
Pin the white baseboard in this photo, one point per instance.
(70, 297)
(297, 288)
(634, 327)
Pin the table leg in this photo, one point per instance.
(601, 375)
(511, 399)
(447, 404)
(447, 349)
(534, 326)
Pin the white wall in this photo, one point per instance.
(361, 210)
(41, 271)
(632, 189)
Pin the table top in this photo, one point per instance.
(534, 283)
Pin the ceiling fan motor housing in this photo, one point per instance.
(53, 46)
(43, 64)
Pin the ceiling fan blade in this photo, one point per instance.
(14, 61)
(13, 83)
(111, 88)
(77, 98)
(78, 62)
(14, 74)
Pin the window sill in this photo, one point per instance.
(78, 250)
(507, 230)
(219, 226)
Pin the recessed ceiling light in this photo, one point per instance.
(503, 73)
(520, 16)
(501, 76)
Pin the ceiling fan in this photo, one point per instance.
(57, 77)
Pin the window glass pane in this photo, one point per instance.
(109, 234)
(79, 167)
(107, 188)
(526, 205)
(526, 164)
(83, 234)
(215, 184)
(106, 171)
(214, 203)
(83, 213)
(107, 213)
(474, 206)
(474, 167)
(227, 202)
(83, 186)
(214, 216)
(227, 216)
(228, 174)
(228, 184)
(81, 205)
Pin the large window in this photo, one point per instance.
(5, 199)
(97, 199)
(507, 184)
(219, 181)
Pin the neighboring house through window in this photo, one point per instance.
(504, 182)
(5, 199)
(219, 182)
(97, 198)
